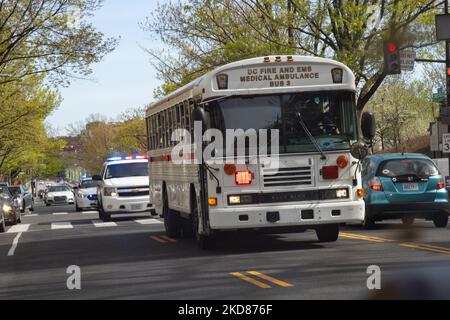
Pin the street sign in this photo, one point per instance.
(439, 96)
(443, 27)
(446, 143)
(407, 59)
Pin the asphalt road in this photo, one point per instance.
(130, 258)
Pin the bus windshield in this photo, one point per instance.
(329, 116)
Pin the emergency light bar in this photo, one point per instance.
(120, 158)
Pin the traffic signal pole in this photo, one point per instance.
(447, 72)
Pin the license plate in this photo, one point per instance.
(410, 187)
(136, 207)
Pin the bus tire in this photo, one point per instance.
(172, 221)
(328, 233)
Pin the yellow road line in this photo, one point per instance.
(426, 248)
(158, 239)
(417, 246)
(168, 239)
(250, 280)
(270, 279)
(361, 237)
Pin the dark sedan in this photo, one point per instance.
(10, 209)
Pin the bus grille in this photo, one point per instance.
(286, 177)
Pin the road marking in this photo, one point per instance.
(101, 224)
(168, 239)
(270, 279)
(363, 237)
(61, 225)
(14, 245)
(417, 246)
(158, 239)
(420, 246)
(90, 212)
(32, 215)
(60, 213)
(149, 221)
(19, 228)
(250, 280)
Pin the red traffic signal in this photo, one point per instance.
(392, 63)
(392, 47)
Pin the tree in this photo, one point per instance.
(41, 37)
(403, 111)
(24, 143)
(208, 33)
(131, 135)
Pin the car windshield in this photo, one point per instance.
(15, 190)
(408, 167)
(58, 189)
(4, 191)
(329, 116)
(127, 170)
(88, 184)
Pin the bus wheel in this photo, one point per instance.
(328, 233)
(172, 222)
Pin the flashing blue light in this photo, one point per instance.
(119, 157)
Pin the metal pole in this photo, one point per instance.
(447, 59)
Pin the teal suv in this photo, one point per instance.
(404, 186)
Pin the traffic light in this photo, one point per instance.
(392, 63)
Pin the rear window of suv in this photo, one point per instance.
(421, 168)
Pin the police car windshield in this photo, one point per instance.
(58, 189)
(88, 184)
(126, 170)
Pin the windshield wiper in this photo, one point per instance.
(310, 136)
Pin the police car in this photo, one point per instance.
(86, 195)
(123, 187)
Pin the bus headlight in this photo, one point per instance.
(241, 199)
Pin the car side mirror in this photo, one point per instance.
(97, 178)
(368, 125)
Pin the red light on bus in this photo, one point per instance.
(244, 177)
(330, 172)
(448, 72)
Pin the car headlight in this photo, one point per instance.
(110, 192)
(7, 208)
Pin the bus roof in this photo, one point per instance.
(264, 75)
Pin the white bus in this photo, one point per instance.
(311, 181)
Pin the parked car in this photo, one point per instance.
(24, 197)
(10, 210)
(404, 186)
(86, 195)
(58, 195)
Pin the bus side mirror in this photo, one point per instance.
(368, 125)
(97, 178)
(199, 114)
(359, 151)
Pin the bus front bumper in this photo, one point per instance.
(312, 214)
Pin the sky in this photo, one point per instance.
(124, 79)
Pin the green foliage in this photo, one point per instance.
(403, 111)
(205, 34)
